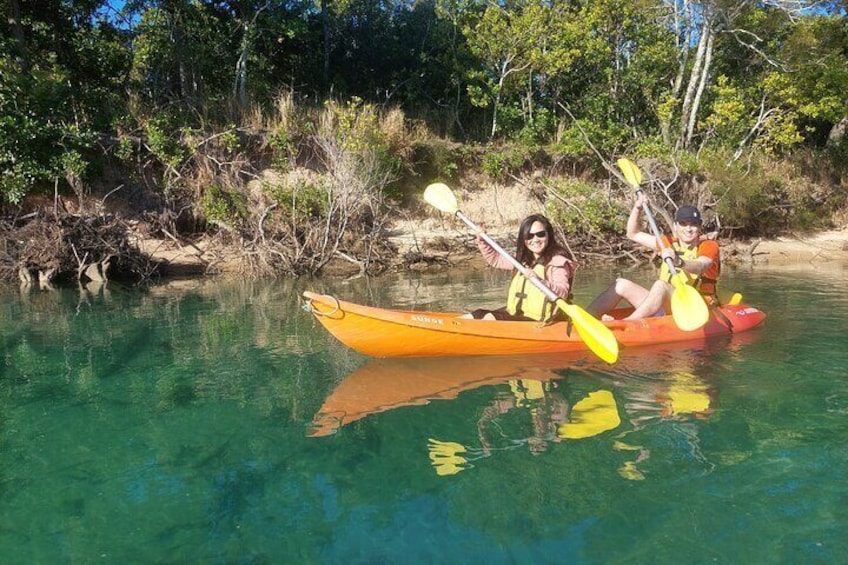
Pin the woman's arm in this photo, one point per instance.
(559, 272)
(491, 256)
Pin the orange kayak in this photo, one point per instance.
(381, 332)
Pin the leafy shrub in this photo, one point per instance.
(38, 144)
(230, 139)
(570, 142)
(301, 202)
(281, 147)
(358, 149)
(516, 125)
(124, 151)
(499, 164)
(582, 208)
(223, 206)
(762, 196)
(444, 160)
(167, 148)
(650, 147)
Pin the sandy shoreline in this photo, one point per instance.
(817, 248)
(433, 248)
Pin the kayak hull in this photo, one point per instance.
(380, 332)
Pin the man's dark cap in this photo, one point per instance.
(687, 214)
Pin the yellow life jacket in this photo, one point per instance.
(683, 252)
(527, 390)
(707, 287)
(526, 300)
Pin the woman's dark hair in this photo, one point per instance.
(554, 247)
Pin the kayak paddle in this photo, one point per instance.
(688, 307)
(597, 337)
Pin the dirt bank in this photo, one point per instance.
(434, 245)
(427, 240)
(436, 235)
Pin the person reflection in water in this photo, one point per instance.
(502, 425)
(547, 409)
(537, 249)
(681, 397)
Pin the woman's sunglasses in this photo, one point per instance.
(539, 234)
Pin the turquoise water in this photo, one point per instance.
(218, 423)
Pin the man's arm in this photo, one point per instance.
(634, 227)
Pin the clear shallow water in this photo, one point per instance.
(217, 423)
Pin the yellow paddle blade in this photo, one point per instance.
(688, 308)
(595, 414)
(441, 196)
(735, 299)
(442, 459)
(592, 331)
(445, 446)
(631, 171)
(444, 470)
(688, 395)
(443, 456)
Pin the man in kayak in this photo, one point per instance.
(691, 253)
(538, 249)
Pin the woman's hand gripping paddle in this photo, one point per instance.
(688, 307)
(592, 331)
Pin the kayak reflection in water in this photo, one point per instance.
(532, 403)
(537, 249)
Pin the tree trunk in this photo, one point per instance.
(503, 73)
(325, 22)
(18, 32)
(837, 132)
(240, 86)
(177, 38)
(694, 80)
(248, 27)
(683, 29)
(702, 82)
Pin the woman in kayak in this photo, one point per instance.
(548, 260)
(690, 252)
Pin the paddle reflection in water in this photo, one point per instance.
(543, 399)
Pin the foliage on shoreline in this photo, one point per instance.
(295, 132)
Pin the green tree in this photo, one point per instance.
(505, 41)
(62, 69)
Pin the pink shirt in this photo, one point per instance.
(559, 271)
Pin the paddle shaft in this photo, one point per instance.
(551, 295)
(655, 230)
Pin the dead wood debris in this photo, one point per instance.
(46, 246)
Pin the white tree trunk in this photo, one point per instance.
(682, 17)
(240, 85)
(694, 80)
(702, 83)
